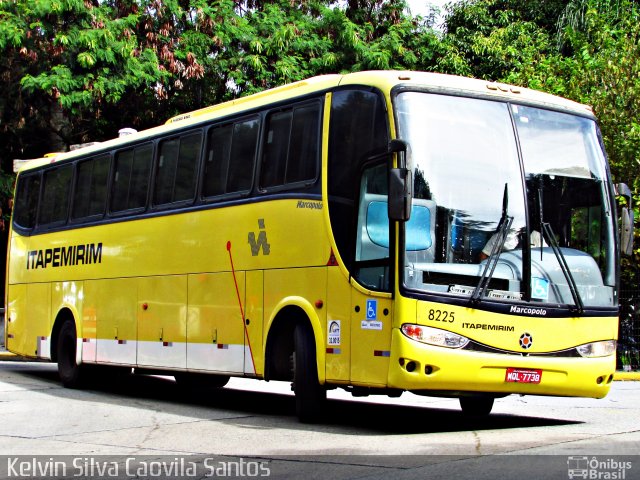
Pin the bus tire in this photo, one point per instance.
(310, 396)
(476, 406)
(69, 371)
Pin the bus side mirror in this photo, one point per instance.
(626, 221)
(399, 183)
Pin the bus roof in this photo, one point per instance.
(385, 80)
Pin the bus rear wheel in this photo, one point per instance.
(311, 397)
(69, 371)
(476, 406)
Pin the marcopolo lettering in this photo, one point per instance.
(528, 311)
(309, 204)
(72, 255)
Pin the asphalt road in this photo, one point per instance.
(144, 417)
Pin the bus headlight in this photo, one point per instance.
(434, 336)
(603, 348)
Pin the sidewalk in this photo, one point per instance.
(635, 376)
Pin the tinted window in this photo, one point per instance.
(243, 154)
(358, 129)
(175, 174)
(303, 148)
(55, 195)
(131, 178)
(276, 150)
(216, 168)
(291, 146)
(230, 158)
(26, 205)
(90, 194)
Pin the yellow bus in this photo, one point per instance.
(380, 232)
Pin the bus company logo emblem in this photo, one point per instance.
(261, 242)
(526, 341)
(333, 332)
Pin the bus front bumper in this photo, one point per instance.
(423, 368)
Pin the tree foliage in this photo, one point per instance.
(77, 70)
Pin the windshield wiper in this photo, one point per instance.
(548, 232)
(492, 261)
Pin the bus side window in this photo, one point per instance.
(217, 161)
(276, 150)
(230, 158)
(131, 179)
(165, 171)
(175, 172)
(303, 148)
(373, 220)
(90, 195)
(291, 146)
(243, 155)
(55, 196)
(26, 207)
(373, 241)
(358, 126)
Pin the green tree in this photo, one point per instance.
(77, 70)
(607, 48)
(492, 39)
(61, 63)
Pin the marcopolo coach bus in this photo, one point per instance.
(380, 232)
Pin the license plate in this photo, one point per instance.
(520, 375)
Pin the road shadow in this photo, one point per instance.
(249, 407)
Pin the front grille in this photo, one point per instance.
(479, 347)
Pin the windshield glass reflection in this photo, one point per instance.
(471, 179)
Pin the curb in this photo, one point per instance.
(6, 356)
(627, 376)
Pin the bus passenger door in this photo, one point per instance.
(371, 312)
(370, 339)
(162, 321)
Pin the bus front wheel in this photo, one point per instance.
(310, 395)
(69, 371)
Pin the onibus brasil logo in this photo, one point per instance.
(597, 468)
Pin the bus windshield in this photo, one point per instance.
(516, 199)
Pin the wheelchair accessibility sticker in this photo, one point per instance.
(539, 288)
(371, 322)
(372, 309)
